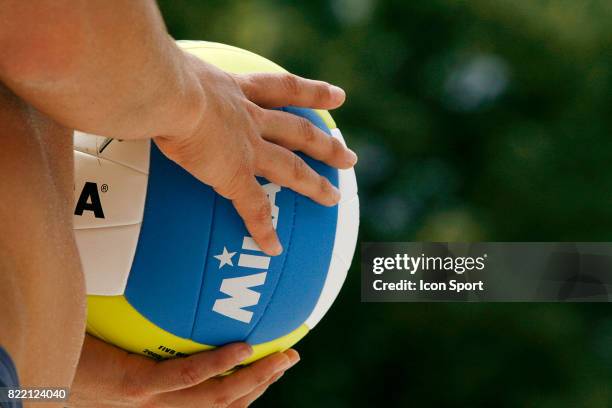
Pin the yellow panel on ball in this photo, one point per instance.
(239, 61)
(133, 332)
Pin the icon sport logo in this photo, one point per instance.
(171, 269)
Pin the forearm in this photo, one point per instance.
(108, 68)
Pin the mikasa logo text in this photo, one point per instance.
(89, 200)
(239, 289)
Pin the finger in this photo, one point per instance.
(248, 379)
(274, 90)
(285, 168)
(223, 391)
(253, 206)
(297, 133)
(180, 373)
(248, 399)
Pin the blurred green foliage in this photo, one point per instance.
(474, 120)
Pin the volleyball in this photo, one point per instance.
(170, 268)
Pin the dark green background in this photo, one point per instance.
(474, 120)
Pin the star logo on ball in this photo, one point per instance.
(225, 258)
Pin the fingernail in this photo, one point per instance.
(296, 359)
(336, 194)
(338, 93)
(277, 377)
(276, 249)
(245, 352)
(286, 364)
(353, 156)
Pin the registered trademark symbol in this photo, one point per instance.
(104, 188)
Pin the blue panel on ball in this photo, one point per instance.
(309, 114)
(164, 281)
(216, 322)
(197, 274)
(308, 258)
(293, 280)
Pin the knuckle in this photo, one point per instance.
(307, 131)
(244, 81)
(222, 400)
(219, 361)
(233, 185)
(134, 390)
(237, 80)
(189, 373)
(325, 186)
(263, 211)
(250, 85)
(323, 92)
(326, 194)
(261, 377)
(257, 143)
(336, 148)
(300, 169)
(255, 112)
(291, 84)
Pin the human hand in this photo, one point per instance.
(108, 377)
(238, 138)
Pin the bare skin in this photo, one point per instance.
(132, 81)
(186, 382)
(110, 68)
(42, 300)
(42, 297)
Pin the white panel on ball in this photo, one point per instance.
(346, 177)
(333, 283)
(120, 192)
(133, 153)
(348, 229)
(106, 256)
(348, 210)
(86, 143)
(345, 241)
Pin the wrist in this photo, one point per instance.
(183, 107)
